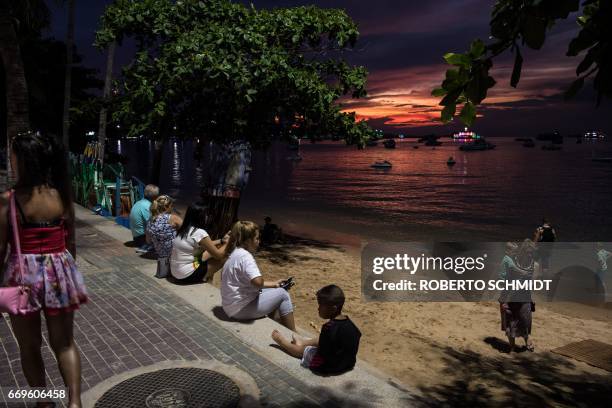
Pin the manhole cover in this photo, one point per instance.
(173, 388)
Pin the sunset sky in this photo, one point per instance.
(402, 44)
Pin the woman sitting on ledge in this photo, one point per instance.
(245, 294)
(192, 249)
(161, 231)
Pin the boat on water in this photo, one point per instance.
(371, 143)
(594, 135)
(433, 142)
(415, 147)
(529, 143)
(551, 147)
(466, 136)
(451, 161)
(477, 145)
(382, 164)
(554, 138)
(389, 144)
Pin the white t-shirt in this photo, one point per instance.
(184, 260)
(237, 291)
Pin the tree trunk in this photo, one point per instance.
(68, 76)
(17, 117)
(107, 90)
(228, 176)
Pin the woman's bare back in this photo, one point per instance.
(41, 204)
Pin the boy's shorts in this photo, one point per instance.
(309, 353)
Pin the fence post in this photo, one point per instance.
(118, 198)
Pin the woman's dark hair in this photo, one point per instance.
(42, 159)
(197, 216)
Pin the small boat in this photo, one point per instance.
(451, 161)
(465, 136)
(477, 145)
(382, 164)
(433, 142)
(389, 144)
(415, 147)
(529, 143)
(594, 135)
(371, 143)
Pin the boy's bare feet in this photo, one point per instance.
(296, 341)
(278, 337)
(294, 347)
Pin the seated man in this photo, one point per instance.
(270, 233)
(139, 217)
(335, 351)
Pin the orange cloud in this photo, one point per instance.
(403, 97)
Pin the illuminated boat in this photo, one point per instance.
(466, 136)
(594, 135)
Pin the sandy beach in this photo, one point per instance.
(452, 352)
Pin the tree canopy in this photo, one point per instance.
(224, 71)
(518, 23)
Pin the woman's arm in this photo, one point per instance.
(4, 201)
(260, 283)
(209, 246)
(69, 225)
(537, 235)
(175, 221)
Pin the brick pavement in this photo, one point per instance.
(131, 322)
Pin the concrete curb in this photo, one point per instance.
(365, 385)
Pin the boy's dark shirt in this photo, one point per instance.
(338, 346)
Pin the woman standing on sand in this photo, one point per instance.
(45, 226)
(517, 304)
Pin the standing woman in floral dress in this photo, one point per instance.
(45, 218)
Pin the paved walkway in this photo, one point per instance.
(131, 321)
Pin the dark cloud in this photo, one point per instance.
(401, 45)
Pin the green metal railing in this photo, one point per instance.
(104, 188)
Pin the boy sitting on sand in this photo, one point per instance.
(335, 351)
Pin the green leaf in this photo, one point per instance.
(585, 63)
(451, 97)
(533, 30)
(518, 66)
(459, 60)
(448, 112)
(468, 114)
(477, 48)
(574, 88)
(439, 92)
(585, 39)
